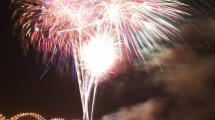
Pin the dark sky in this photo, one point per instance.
(21, 89)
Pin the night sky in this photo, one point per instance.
(166, 86)
(21, 88)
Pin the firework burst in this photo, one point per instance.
(96, 33)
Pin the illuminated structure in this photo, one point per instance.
(36, 116)
(2, 117)
(57, 119)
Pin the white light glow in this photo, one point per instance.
(99, 54)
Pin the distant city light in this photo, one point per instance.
(20, 116)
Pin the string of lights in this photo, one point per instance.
(20, 116)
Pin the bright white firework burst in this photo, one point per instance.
(98, 55)
(96, 33)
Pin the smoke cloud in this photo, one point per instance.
(186, 83)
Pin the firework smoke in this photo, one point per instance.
(96, 33)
